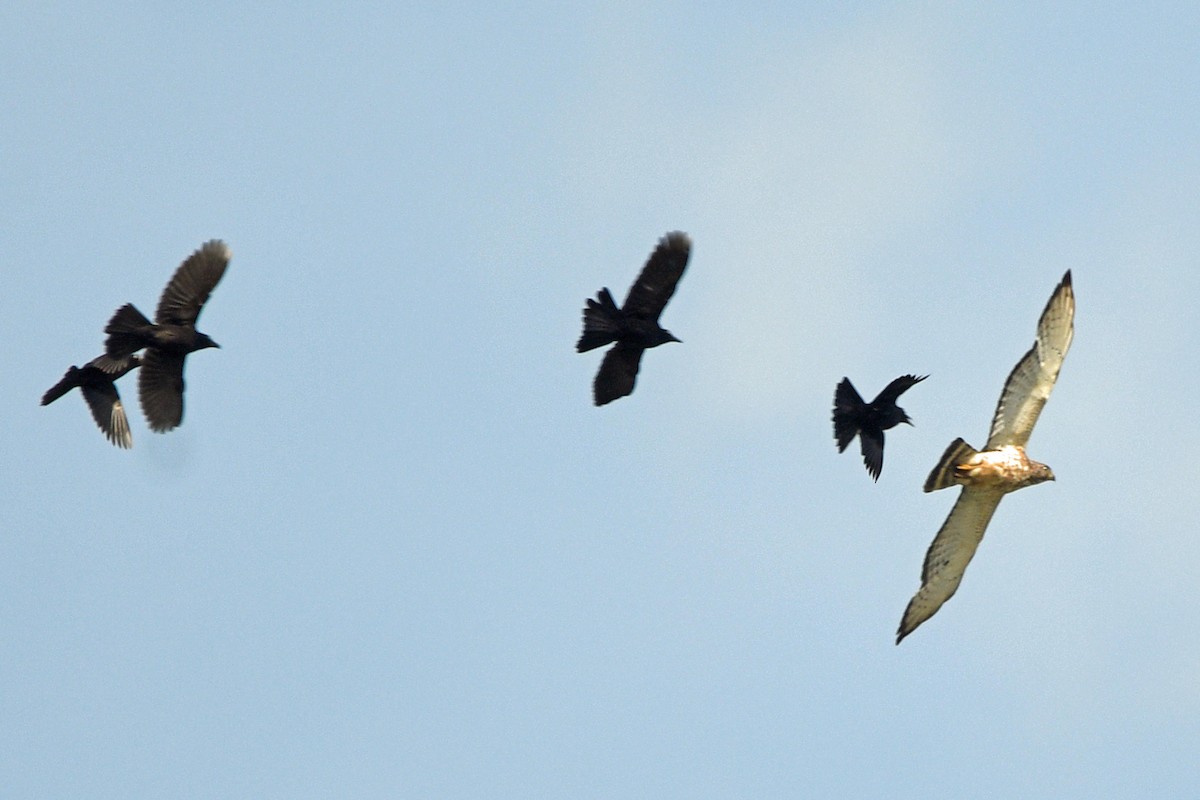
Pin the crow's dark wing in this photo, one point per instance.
(893, 390)
(105, 403)
(617, 374)
(871, 439)
(160, 387)
(192, 283)
(948, 556)
(1029, 384)
(650, 292)
(114, 366)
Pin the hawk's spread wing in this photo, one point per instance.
(617, 373)
(650, 292)
(192, 283)
(1029, 384)
(948, 556)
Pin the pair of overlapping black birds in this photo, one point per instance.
(986, 476)
(165, 344)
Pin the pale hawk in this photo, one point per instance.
(1001, 467)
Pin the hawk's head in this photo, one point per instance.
(1038, 473)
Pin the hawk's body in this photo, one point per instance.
(1002, 467)
(1006, 467)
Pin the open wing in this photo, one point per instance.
(948, 556)
(160, 387)
(893, 390)
(192, 283)
(105, 404)
(653, 288)
(1029, 384)
(617, 374)
(871, 440)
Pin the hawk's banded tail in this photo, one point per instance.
(942, 477)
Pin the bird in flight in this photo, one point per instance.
(634, 326)
(172, 335)
(1001, 467)
(99, 389)
(851, 416)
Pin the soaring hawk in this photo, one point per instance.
(1001, 467)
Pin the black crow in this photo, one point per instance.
(100, 391)
(634, 327)
(171, 336)
(869, 420)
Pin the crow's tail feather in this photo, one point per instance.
(600, 322)
(68, 382)
(124, 331)
(846, 407)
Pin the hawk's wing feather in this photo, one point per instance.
(948, 556)
(1031, 380)
(654, 286)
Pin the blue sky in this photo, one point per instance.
(393, 551)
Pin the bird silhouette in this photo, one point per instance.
(634, 326)
(852, 416)
(171, 336)
(99, 389)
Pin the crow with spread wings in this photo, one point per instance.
(634, 326)
(170, 338)
(852, 416)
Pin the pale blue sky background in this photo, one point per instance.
(395, 552)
